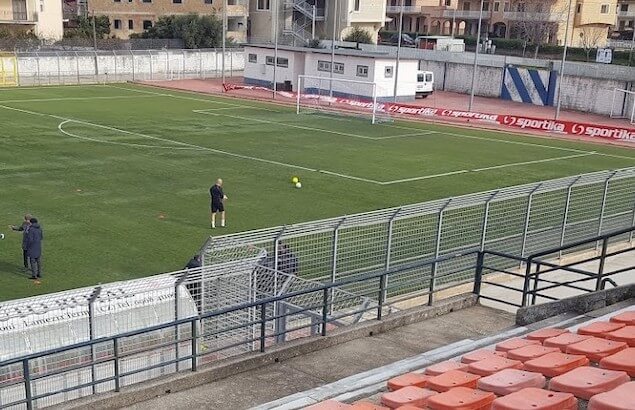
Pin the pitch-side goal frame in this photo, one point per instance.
(329, 100)
(623, 112)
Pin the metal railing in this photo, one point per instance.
(542, 279)
(532, 16)
(26, 371)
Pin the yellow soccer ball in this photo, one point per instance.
(295, 180)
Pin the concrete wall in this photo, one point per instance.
(87, 67)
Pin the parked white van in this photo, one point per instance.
(425, 84)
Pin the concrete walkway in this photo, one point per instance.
(278, 380)
(613, 263)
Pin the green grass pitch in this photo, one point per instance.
(100, 166)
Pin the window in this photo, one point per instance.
(357, 5)
(497, 6)
(362, 71)
(420, 78)
(130, 25)
(388, 71)
(448, 3)
(263, 5)
(147, 24)
(578, 8)
(506, 6)
(207, 1)
(117, 24)
(429, 78)
(269, 60)
(466, 6)
(604, 9)
(117, 1)
(338, 68)
(147, 1)
(253, 58)
(486, 6)
(177, 1)
(624, 7)
(283, 62)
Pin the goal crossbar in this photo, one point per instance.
(323, 92)
(623, 107)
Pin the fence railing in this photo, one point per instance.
(184, 344)
(79, 67)
(520, 220)
(542, 279)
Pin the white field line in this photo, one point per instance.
(445, 174)
(304, 127)
(113, 97)
(215, 109)
(414, 134)
(48, 87)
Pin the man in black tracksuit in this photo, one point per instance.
(218, 202)
(24, 228)
(34, 248)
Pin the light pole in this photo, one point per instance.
(275, 48)
(335, 6)
(478, 44)
(224, 38)
(400, 31)
(564, 58)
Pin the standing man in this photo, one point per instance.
(34, 248)
(218, 202)
(24, 228)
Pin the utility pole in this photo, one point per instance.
(335, 6)
(224, 38)
(400, 31)
(94, 32)
(564, 58)
(478, 45)
(275, 47)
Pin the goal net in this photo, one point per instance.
(338, 96)
(623, 104)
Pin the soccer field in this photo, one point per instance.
(118, 175)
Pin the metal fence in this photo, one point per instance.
(83, 67)
(518, 220)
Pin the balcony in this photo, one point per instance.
(237, 10)
(17, 17)
(529, 16)
(406, 9)
(465, 14)
(629, 13)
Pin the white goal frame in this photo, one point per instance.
(301, 96)
(623, 113)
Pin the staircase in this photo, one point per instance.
(301, 17)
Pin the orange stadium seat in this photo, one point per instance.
(536, 399)
(599, 329)
(620, 398)
(415, 396)
(409, 407)
(509, 381)
(596, 349)
(478, 355)
(625, 334)
(329, 405)
(626, 318)
(515, 343)
(451, 379)
(443, 367)
(555, 364)
(543, 334)
(530, 352)
(585, 382)
(408, 379)
(365, 405)
(461, 398)
(564, 340)
(492, 365)
(623, 360)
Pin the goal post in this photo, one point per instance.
(623, 104)
(8, 69)
(328, 95)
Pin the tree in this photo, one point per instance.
(359, 35)
(84, 27)
(537, 23)
(590, 37)
(195, 31)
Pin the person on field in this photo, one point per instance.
(24, 228)
(218, 202)
(34, 248)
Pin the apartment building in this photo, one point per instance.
(42, 17)
(625, 15)
(590, 19)
(299, 21)
(135, 16)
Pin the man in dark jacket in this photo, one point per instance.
(24, 228)
(34, 248)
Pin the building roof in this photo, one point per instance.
(338, 51)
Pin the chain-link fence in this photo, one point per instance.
(83, 67)
(517, 220)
